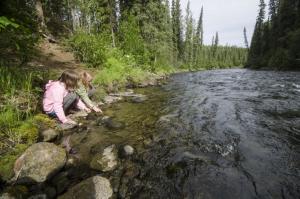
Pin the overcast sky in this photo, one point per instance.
(228, 17)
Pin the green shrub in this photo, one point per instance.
(89, 49)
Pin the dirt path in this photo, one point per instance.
(54, 58)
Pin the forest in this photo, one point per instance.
(124, 42)
(155, 34)
(130, 44)
(276, 39)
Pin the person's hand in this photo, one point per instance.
(87, 110)
(97, 110)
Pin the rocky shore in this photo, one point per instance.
(53, 168)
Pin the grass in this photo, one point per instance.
(19, 96)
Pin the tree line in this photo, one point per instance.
(155, 32)
(276, 39)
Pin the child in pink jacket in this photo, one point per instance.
(59, 96)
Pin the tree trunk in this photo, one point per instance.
(75, 18)
(40, 15)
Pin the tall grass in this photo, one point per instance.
(18, 100)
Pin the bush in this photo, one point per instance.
(89, 49)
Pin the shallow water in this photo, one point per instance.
(219, 134)
(227, 134)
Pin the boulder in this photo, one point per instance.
(39, 163)
(95, 187)
(61, 182)
(113, 124)
(105, 161)
(48, 135)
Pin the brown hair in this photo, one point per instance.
(70, 78)
(85, 78)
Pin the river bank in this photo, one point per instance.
(102, 145)
(21, 95)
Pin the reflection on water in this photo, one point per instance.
(237, 136)
(213, 134)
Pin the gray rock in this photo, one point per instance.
(112, 99)
(95, 187)
(39, 163)
(51, 192)
(139, 99)
(48, 135)
(67, 126)
(78, 114)
(105, 161)
(38, 196)
(7, 196)
(61, 182)
(126, 151)
(112, 124)
(129, 150)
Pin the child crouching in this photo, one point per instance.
(59, 96)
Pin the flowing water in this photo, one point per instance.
(220, 134)
(213, 134)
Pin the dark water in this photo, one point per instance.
(225, 134)
(221, 134)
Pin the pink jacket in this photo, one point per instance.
(53, 99)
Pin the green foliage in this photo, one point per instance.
(89, 48)
(276, 42)
(7, 161)
(19, 99)
(4, 22)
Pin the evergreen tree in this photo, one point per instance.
(188, 47)
(177, 27)
(256, 43)
(198, 38)
(276, 42)
(246, 38)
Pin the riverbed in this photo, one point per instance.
(214, 134)
(218, 134)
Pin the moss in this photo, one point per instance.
(27, 131)
(17, 191)
(43, 121)
(7, 161)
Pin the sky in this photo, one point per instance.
(228, 17)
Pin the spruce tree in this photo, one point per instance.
(246, 38)
(177, 27)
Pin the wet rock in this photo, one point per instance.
(17, 191)
(112, 99)
(147, 141)
(61, 182)
(126, 151)
(112, 124)
(50, 192)
(38, 196)
(48, 135)
(7, 196)
(139, 99)
(65, 127)
(105, 161)
(95, 187)
(71, 162)
(78, 114)
(39, 163)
